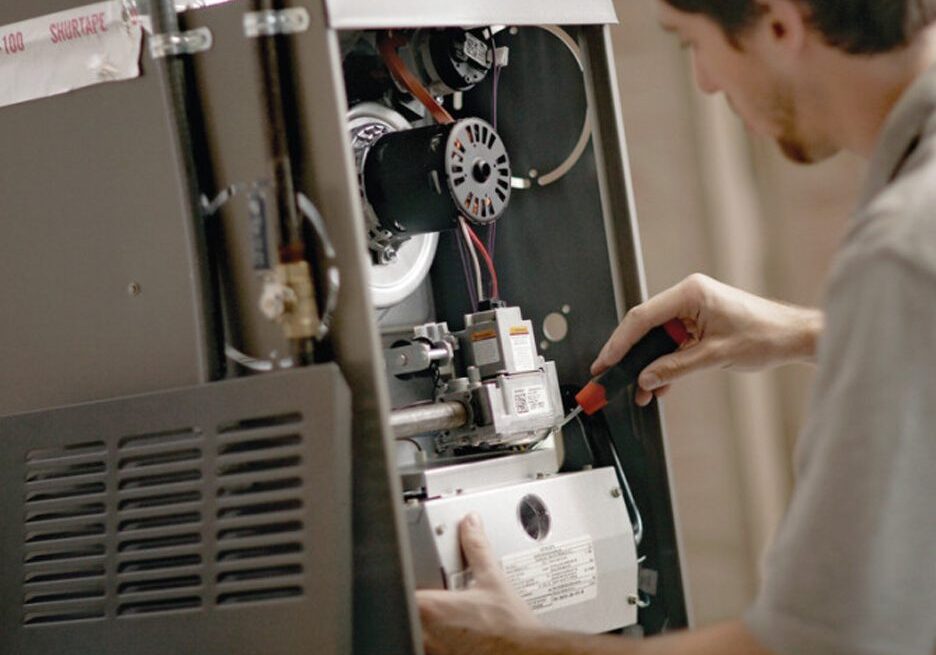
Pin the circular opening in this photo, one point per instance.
(555, 327)
(534, 517)
(481, 172)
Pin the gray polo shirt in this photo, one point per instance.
(853, 567)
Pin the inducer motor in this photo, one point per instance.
(418, 181)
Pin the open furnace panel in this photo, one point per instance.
(494, 286)
(273, 198)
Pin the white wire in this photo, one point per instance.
(479, 285)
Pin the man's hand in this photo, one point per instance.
(472, 621)
(729, 328)
(491, 619)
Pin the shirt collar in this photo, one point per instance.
(904, 127)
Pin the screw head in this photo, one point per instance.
(440, 529)
(134, 289)
(616, 492)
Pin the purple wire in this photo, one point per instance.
(469, 276)
(492, 231)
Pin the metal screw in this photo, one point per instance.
(134, 289)
(632, 600)
(616, 492)
(440, 530)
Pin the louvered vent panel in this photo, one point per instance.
(260, 532)
(160, 510)
(65, 534)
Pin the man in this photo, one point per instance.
(853, 568)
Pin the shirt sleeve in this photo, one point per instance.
(853, 568)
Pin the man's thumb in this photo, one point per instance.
(475, 546)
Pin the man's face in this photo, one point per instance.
(759, 92)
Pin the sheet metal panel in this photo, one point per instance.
(94, 200)
(362, 14)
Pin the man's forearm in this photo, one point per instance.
(730, 638)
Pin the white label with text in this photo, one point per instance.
(69, 50)
(556, 575)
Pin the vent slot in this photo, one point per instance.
(259, 595)
(258, 552)
(260, 508)
(159, 563)
(260, 574)
(66, 512)
(64, 596)
(261, 530)
(259, 465)
(158, 438)
(245, 425)
(76, 532)
(65, 471)
(94, 550)
(159, 500)
(69, 450)
(66, 491)
(160, 458)
(260, 444)
(263, 486)
(175, 477)
(163, 584)
(164, 605)
(63, 576)
(171, 541)
(162, 521)
(40, 618)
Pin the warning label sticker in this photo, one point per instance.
(530, 400)
(556, 575)
(524, 354)
(69, 50)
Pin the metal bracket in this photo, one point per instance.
(180, 43)
(272, 22)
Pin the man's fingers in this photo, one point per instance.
(669, 368)
(676, 302)
(643, 397)
(477, 549)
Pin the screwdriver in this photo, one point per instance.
(660, 341)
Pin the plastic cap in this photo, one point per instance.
(592, 398)
(677, 331)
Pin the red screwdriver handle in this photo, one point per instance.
(656, 343)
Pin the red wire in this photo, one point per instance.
(495, 290)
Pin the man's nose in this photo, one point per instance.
(703, 79)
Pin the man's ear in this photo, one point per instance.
(784, 27)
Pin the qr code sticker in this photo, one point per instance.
(530, 400)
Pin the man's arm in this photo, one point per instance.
(729, 328)
(491, 619)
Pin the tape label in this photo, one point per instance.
(69, 50)
(556, 575)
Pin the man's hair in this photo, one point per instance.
(855, 26)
